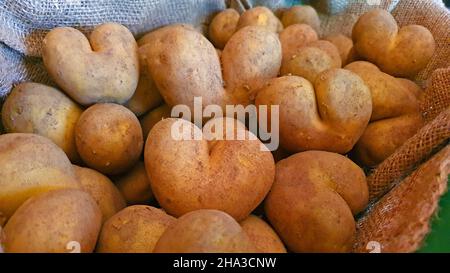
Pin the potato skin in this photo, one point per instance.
(222, 27)
(30, 165)
(262, 17)
(204, 231)
(48, 222)
(330, 115)
(109, 138)
(262, 235)
(151, 118)
(104, 192)
(103, 69)
(396, 114)
(135, 229)
(186, 175)
(401, 52)
(301, 15)
(345, 47)
(43, 110)
(311, 202)
(135, 185)
(294, 37)
(250, 58)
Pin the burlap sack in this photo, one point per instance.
(408, 206)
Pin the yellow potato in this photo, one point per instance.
(56, 221)
(262, 235)
(329, 115)
(313, 200)
(104, 192)
(43, 110)
(345, 47)
(151, 118)
(30, 165)
(109, 138)
(301, 15)
(135, 229)
(186, 175)
(401, 52)
(204, 231)
(294, 38)
(103, 69)
(135, 185)
(222, 27)
(250, 58)
(261, 17)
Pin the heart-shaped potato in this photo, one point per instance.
(184, 65)
(401, 52)
(304, 55)
(313, 200)
(186, 175)
(395, 117)
(103, 69)
(330, 115)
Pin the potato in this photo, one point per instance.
(135, 185)
(395, 117)
(222, 27)
(301, 15)
(135, 229)
(103, 69)
(151, 118)
(401, 52)
(262, 235)
(109, 138)
(146, 96)
(330, 115)
(30, 165)
(313, 200)
(186, 175)
(250, 58)
(53, 222)
(104, 192)
(150, 36)
(43, 110)
(262, 17)
(204, 231)
(294, 38)
(345, 47)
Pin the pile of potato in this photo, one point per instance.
(73, 158)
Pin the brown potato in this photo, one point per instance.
(345, 47)
(151, 118)
(262, 235)
(104, 192)
(311, 60)
(30, 165)
(395, 116)
(330, 115)
(250, 58)
(204, 231)
(222, 27)
(109, 138)
(135, 229)
(294, 38)
(401, 52)
(313, 200)
(43, 110)
(262, 17)
(53, 222)
(186, 175)
(135, 185)
(103, 69)
(301, 15)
